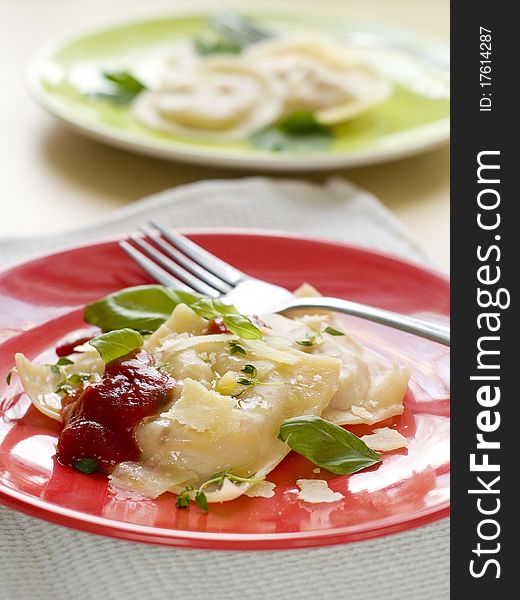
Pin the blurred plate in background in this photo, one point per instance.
(415, 118)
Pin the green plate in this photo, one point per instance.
(414, 118)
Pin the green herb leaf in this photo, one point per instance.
(327, 445)
(234, 348)
(86, 465)
(117, 343)
(71, 382)
(201, 501)
(298, 132)
(332, 331)
(63, 388)
(250, 370)
(61, 362)
(244, 381)
(125, 80)
(77, 378)
(216, 45)
(146, 307)
(310, 341)
(143, 307)
(124, 87)
(240, 325)
(184, 498)
(303, 121)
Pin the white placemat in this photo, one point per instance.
(41, 561)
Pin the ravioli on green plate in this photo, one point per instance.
(307, 97)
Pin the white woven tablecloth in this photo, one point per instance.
(41, 561)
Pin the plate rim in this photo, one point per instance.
(416, 141)
(219, 231)
(78, 520)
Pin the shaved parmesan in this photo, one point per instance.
(385, 439)
(262, 489)
(182, 320)
(316, 491)
(179, 343)
(204, 410)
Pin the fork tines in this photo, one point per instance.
(175, 261)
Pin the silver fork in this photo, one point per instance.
(238, 28)
(175, 261)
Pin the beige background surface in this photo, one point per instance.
(53, 179)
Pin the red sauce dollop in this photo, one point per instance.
(100, 422)
(216, 325)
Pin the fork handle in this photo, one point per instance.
(430, 331)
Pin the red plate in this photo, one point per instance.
(41, 302)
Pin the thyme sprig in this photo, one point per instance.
(190, 493)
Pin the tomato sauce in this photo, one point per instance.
(216, 325)
(100, 421)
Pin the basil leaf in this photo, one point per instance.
(125, 81)
(298, 132)
(275, 140)
(242, 326)
(117, 343)
(146, 307)
(124, 87)
(208, 307)
(143, 307)
(327, 445)
(303, 121)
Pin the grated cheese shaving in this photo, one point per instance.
(262, 489)
(316, 490)
(385, 439)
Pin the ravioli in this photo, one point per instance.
(218, 98)
(231, 395)
(320, 75)
(40, 382)
(369, 391)
(216, 424)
